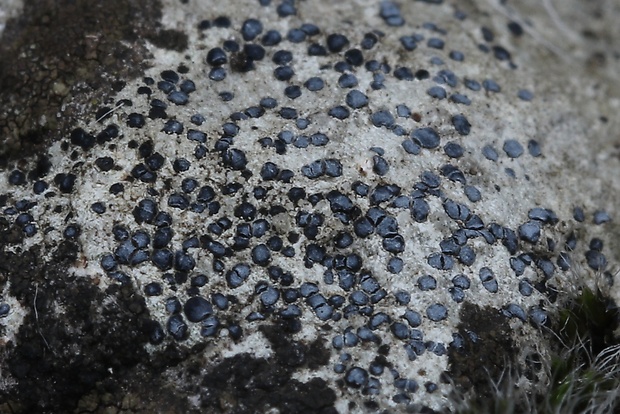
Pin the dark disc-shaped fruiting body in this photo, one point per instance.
(197, 308)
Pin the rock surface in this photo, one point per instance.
(297, 206)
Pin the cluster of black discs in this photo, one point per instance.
(235, 243)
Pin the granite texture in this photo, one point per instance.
(303, 206)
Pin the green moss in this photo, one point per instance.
(589, 318)
(586, 331)
(584, 370)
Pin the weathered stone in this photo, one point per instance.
(248, 174)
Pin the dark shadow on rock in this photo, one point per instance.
(76, 340)
(482, 353)
(246, 384)
(62, 58)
